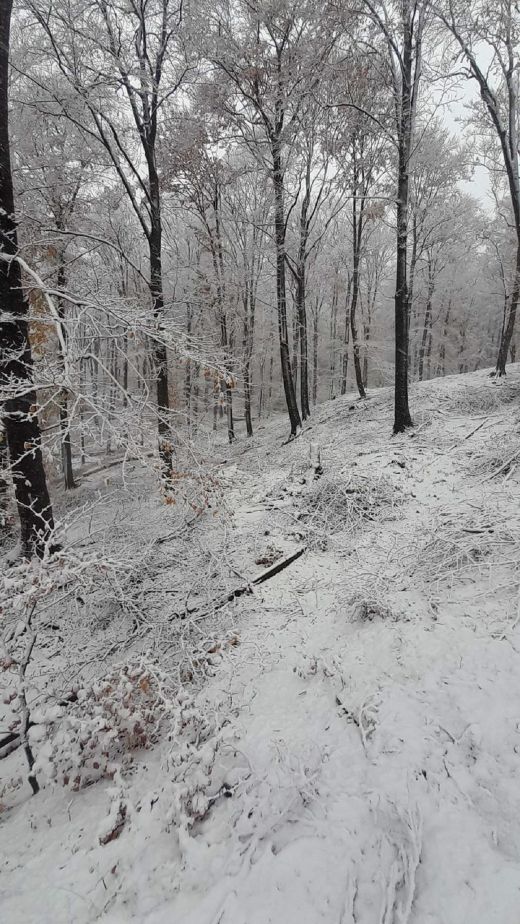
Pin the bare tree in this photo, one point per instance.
(401, 25)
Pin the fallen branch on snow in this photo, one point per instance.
(246, 588)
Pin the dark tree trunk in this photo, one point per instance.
(346, 339)
(333, 333)
(262, 386)
(270, 392)
(355, 345)
(402, 418)
(196, 392)
(160, 353)
(188, 370)
(125, 369)
(247, 398)
(442, 351)
(427, 323)
(509, 327)
(281, 297)
(4, 496)
(303, 340)
(225, 340)
(315, 356)
(249, 323)
(357, 236)
(66, 445)
(20, 418)
(366, 336)
(429, 352)
(295, 346)
(301, 294)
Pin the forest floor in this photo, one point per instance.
(353, 754)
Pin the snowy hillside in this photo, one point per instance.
(338, 743)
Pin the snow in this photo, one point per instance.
(368, 773)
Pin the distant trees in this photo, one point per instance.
(487, 40)
(107, 53)
(274, 58)
(218, 184)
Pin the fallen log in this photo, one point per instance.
(245, 588)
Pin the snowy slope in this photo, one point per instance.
(363, 759)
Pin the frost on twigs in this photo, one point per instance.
(368, 607)
(334, 505)
(193, 492)
(278, 798)
(467, 544)
(498, 459)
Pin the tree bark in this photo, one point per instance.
(357, 236)
(66, 446)
(301, 315)
(160, 353)
(346, 339)
(441, 369)
(281, 297)
(402, 418)
(249, 324)
(20, 417)
(315, 356)
(427, 322)
(509, 326)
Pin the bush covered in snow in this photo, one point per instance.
(99, 732)
(335, 504)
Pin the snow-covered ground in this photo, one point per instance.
(350, 753)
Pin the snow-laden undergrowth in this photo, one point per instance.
(340, 745)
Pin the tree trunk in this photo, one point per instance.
(4, 495)
(333, 333)
(270, 392)
(301, 292)
(188, 370)
(441, 368)
(508, 330)
(281, 298)
(160, 353)
(20, 418)
(66, 446)
(315, 356)
(249, 322)
(303, 340)
(295, 346)
(427, 322)
(346, 339)
(402, 418)
(125, 369)
(357, 235)
(429, 352)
